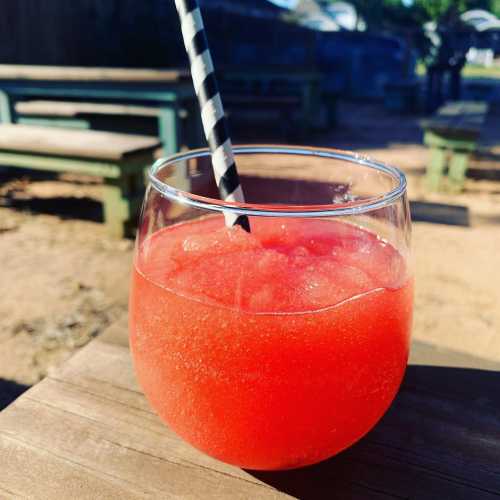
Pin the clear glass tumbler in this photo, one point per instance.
(280, 347)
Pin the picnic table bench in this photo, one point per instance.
(295, 91)
(280, 111)
(126, 118)
(99, 98)
(453, 132)
(120, 159)
(75, 109)
(169, 93)
(87, 431)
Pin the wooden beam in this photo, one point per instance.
(59, 164)
(73, 143)
(74, 73)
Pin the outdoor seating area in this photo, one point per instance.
(121, 160)
(296, 95)
(166, 96)
(302, 302)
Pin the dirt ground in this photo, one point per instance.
(63, 280)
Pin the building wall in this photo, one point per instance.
(90, 32)
(144, 33)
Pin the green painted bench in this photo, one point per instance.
(112, 117)
(120, 159)
(452, 134)
(169, 93)
(279, 111)
(301, 87)
(75, 114)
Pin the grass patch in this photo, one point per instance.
(470, 71)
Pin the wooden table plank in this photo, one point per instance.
(112, 435)
(88, 432)
(85, 143)
(170, 97)
(73, 109)
(461, 117)
(76, 73)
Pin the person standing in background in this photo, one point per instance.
(445, 58)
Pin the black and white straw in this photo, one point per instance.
(212, 111)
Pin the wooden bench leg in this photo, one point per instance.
(436, 168)
(6, 108)
(192, 131)
(458, 167)
(122, 199)
(115, 207)
(169, 128)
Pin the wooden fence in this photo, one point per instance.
(90, 33)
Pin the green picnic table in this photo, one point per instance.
(169, 91)
(119, 158)
(453, 133)
(265, 81)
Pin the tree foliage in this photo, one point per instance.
(436, 8)
(420, 11)
(407, 19)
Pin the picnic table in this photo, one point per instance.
(170, 91)
(263, 83)
(453, 132)
(87, 431)
(119, 159)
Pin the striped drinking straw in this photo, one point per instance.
(212, 111)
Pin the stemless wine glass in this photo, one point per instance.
(279, 347)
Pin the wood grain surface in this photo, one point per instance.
(88, 432)
(460, 117)
(73, 109)
(75, 73)
(85, 144)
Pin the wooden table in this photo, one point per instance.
(304, 83)
(453, 131)
(169, 90)
(87, 432)
(119, 159)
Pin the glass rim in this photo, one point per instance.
(354, 207)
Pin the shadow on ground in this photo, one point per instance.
(12, 195)
(488, 174)
(9, 391)
(439, 213)
(64, 207)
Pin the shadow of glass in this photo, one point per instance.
(440, 439)
(9, 391)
